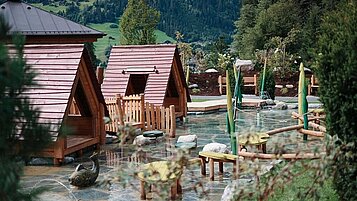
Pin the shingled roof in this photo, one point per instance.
(31, 21)
(56, 67)
(143, 59)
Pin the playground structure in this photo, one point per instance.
(304, 122)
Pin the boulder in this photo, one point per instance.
(279, 105)
(188, 138)
(216, 147)
(140, 140)
(269, 102)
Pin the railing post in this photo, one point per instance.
(172, 121)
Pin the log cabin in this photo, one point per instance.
(154, 70)
(68, 97)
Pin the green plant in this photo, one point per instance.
(196, 91)
(284, 90)
(336, 71)
(269, 85)
(18, 119)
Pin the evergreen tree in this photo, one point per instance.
(18, 119)
(138, 23)
(337, 73)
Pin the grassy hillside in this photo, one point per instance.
(104, 42)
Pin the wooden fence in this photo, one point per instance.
(160, 118)
(132, 110)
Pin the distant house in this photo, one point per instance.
(40, 26)
(154, 70)
(68, 96)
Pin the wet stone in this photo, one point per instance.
(90, 194)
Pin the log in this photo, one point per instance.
(288, 128)
(282, 156)
(314, 125)
(312, 133)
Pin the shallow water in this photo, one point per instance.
(114, 160)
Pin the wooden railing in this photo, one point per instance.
(132, 110)
(127, 109)
(161, 118)
(247, 82)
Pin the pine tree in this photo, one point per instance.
(18, 119)
(138, 23)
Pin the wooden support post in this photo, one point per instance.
(220, 166)
(203, 166)
(179, 187)
(142, 190)
(148, 121)
(211, 169)
(173, 190)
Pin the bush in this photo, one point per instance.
(113, 26)
(269, 85)
(337, 74)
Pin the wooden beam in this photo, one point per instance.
(288, 128)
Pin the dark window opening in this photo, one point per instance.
(137, 84)
(81, 101)
(172, 89)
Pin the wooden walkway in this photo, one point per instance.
(211, 105)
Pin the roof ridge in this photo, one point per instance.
(149, 45)
(83, 28)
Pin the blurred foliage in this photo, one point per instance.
(337, 75)
(21, 133)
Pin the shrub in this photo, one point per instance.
(337, 74)
(113, 26)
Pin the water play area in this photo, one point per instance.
(117, 180)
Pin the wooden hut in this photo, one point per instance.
(68, 96)
(40, 26)
(154, 70)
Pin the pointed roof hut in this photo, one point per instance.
(40, 26)
(68, 96)
(154, 70)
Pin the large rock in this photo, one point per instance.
(216, 147)
(280, 105)
(140, 140)
(187, 138)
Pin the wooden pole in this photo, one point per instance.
(230, 122)
(288, 128)
(296, 156)
(312, 133)
(312, 124)
(172, 121)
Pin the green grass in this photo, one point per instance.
(199, 100)
(104, 42)
(54, 9)
(291, 190)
